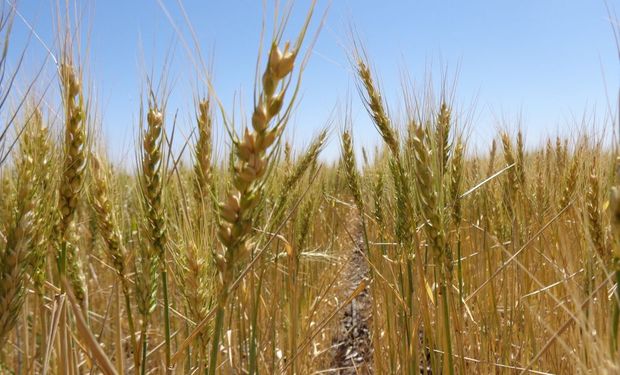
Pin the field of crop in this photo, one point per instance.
(424, 257)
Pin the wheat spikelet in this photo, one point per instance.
(350, 168)
(146, 267)
(107, 222)
(489, 206)
(428, 183)
(442, 134)
(152, 182)
(14, 258)
(374, 105)
(197, 278)
(71, 180)
(570, 182)
(74, 268)
(36, 155)
(404, 218)
(411, 129)
(156, 231)
(549, 170)
(196, 283)
(202, 155)
(561, 154)
(427, 195)
(145, 282)
(74, 147)
(303, 224)
(456, 177)
(520, 167)
(309, 157)
(424, 175)
(509, 156)
(12, 275)
(252, 160)
(548, 150)
(7, 188)
(541, 194)
(288, 157)
(492, 153)
(307, 162)
(595, 225)
(378, 198)
(511, 186)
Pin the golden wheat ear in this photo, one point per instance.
(252, 152)
(72, 178)
(14, 257)
(107, 222)
(376, 107)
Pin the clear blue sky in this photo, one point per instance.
(548, 62)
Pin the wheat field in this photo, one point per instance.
(424, 257)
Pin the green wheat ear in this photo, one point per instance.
(203, 153)
(350, 168)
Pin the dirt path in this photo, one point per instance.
(352, 344)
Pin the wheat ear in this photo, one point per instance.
(152, 192)
(350, 168)
(111, 234)
(236, 212)
(14, 258)
(374, 105)
(203, 151)
(71, 180)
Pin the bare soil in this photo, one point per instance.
(352, 344)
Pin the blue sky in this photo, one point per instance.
(548, 62)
